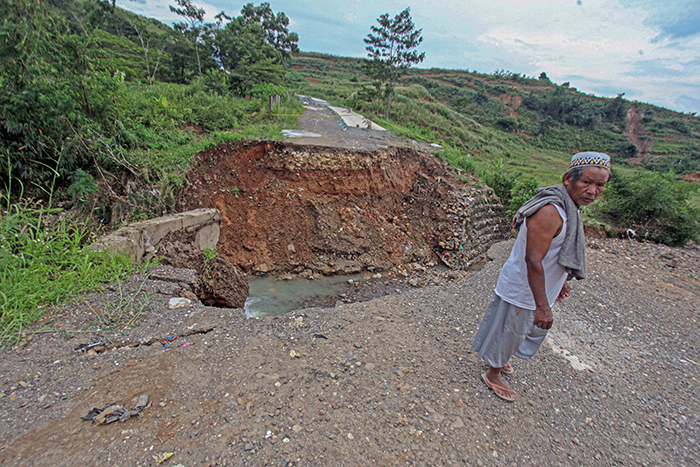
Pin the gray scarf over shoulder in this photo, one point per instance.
(572, 255)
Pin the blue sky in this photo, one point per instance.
(648, 49)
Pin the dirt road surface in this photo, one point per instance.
(389, 381)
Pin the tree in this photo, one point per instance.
(274, 26)
(193, 27)
(254, 47)
(145, 46)
(391, 50)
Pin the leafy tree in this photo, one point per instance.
(391, 50)
(254, 47)
(616, 110)
(46, 93)
(274, 26)
(193, 27)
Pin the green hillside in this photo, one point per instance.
(530, 123)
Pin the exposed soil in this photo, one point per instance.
(634, 130)
(288, 207)
(692, 177)
(387, 379)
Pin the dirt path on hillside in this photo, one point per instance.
(383, 382)
(634, 130)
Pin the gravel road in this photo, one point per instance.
(390, 381)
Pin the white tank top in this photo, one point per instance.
(513, 286)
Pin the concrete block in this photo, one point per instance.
(138, 238)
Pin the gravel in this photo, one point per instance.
(389, 381)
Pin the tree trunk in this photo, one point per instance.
(390, 94)
(199, 65)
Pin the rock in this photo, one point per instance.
(180, 275)
(222, 284)
(297, 428)
(458, 423)
(178, 302)
(189, 295)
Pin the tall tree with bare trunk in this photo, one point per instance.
(193, 27)
(391, 48)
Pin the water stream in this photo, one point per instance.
(270, 297)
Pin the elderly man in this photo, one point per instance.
(549, 250)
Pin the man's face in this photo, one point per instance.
(589, 186)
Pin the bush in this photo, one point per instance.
(655, 205)
(508, 124)
(522, 191)
(624, 150)
(512, 190)
(680, 126)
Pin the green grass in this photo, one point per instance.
(44, 262)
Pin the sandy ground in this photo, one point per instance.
(390, 381)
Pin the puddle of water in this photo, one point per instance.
(270, 297)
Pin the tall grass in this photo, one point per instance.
(44, 261)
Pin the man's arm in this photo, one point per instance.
(542, 227)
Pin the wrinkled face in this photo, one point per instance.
(588, 187)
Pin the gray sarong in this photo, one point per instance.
(507, 330)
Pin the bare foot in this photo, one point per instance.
(507, 369)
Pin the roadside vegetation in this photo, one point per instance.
(103, 111)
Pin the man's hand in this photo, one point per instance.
(543, 317)
(565, 292)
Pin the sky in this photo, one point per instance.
(647, 49)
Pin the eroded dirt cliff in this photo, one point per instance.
(289, 207)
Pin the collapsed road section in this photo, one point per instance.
(292, 208)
